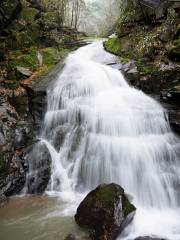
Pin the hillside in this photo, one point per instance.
(148, 43)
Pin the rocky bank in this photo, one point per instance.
(147, 41)
(31, 44)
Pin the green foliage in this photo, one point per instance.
(48, 17)
(146, 68)
(128, 12)
(28, 14)
(27, 60)
(50, 56)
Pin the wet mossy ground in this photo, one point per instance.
(29, 31)
(28, 58)
(153, 47)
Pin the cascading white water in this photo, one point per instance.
(98, 129)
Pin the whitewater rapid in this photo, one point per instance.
(98, 129)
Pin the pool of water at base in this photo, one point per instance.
(36, 218)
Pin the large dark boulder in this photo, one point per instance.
(106, 211)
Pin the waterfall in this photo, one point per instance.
(98, 129)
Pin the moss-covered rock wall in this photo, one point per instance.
(152, 43)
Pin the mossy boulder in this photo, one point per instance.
(51, 56)
(23, 59)
(28, 14)
(113, 45)
(48, 17)
(106, 211)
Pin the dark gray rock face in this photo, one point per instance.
(171, 101)
(19, 124)
(106, 211)
(13, 136)
(39, 161)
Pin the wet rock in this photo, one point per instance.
(168, 33)
(174, 119)
(106, 211)
(74, 237)
(173, 52)
(3, 200)
(24, 135)
(15, 136)
(36, 105)
(171, 96)
(39, 162)
(59, 134)
(12, 173)
(23, 72)
(172, 111)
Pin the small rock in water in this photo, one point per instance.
(149, 238)
(106, 211)
(24, 71)
(3, 200)
(71, 237)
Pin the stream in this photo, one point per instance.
(98, 129)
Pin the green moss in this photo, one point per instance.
(28, 14)
(49, 62)
(145, 68)
(113, 45)
(24, 38)
(106, 194)
(124, 60)
(48, 17)
(44, 70)
(26, 59)
(127, 207)
(50, 56)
